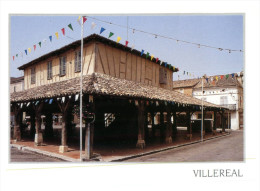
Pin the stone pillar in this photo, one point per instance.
(49, 126)
(162, 127)
(188, 123)
(214, 123)
(38, 139)
(203, 122)
(89, 140)
(168, 130)
(64, 148)
(140, 142)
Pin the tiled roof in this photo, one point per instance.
(102, 84)
(185, 83)
(15, 80)
(225, 82)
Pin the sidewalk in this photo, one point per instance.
(108, 153)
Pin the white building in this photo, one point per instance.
(224, 90)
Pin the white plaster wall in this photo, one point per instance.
(234, 120)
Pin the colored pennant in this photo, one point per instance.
(232, 75)
(227, 76)
(126, 43)
(183, 72)
(29, 49)
(207, 80)
(165, 64)
(93, 25)
(50, 37)
(79, 20)
(118, 39)
(147, 54)
(110, 34)
(25, 52)
(63, 31)
(34, 47)
(142, 52)
(187, 73)
(70, 26)
(173, 68)
(102, 30)
(13, 57)
(84, 19)
(152, 57)
(132, 47)
(157, 59)
(57, 35)
(221, 76)
(217, 78)
(40, 44)
(16, 55)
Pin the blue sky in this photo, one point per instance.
(223, 31)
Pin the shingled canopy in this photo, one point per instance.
(101, 84)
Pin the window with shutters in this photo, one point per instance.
(33, 75)
(62, 66)
(78, 61)
(49, 70)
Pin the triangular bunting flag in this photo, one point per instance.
(79, 20)
(165, 64)
(57, 35)
(63, 31)
(13, 57)
(233, 75)
(183, 72)
(157, 60)
(118, 39)
(227, 76)
(16, 55)
(126, 43)
(102, 30)
(34, 47)
(25, 52)
(50, 37)
(132, 47)
(29, 49)
(93, 25)
(147, 54)
(142, 52)
(70, 26)
(221, 76)
(110, 34)
(152, 57)
(40, 44)
(207, 80)
(84, 19)
(76, 97)
(217, 78)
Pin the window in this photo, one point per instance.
(49, 70)
(77, 61)
(33, 75)
(223, 100)
(62, 66)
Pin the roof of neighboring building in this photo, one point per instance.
(102, 84)
(90, 38)
(16, 79)
(185, 83)
(224, 82)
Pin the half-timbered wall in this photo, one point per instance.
(125, 65)
(100, 58)
(41, 67)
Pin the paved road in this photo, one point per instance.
(26, 156)
(228, 148)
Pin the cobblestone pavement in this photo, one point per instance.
(228, 148)
(26, 156)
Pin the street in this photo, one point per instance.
(228, 148)
(26, 156)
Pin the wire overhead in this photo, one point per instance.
(166, 37)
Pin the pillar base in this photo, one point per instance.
(189, 136)
(140, 144)
(168, 139)
(38, 140)
(17, 136)
(63, 149)
(214, 132)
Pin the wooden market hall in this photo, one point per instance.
(130, 94)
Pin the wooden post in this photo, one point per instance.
(153, 130)
(174, 126)
(214, 123)
(140, 142)
(64, 107)
(32, 126)
(17, 123)
(48, 132)
(188, 123)
(89, 136)
(38, 139)
(168, 132)
(162, 127)
(203, 122)
(222, 122)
